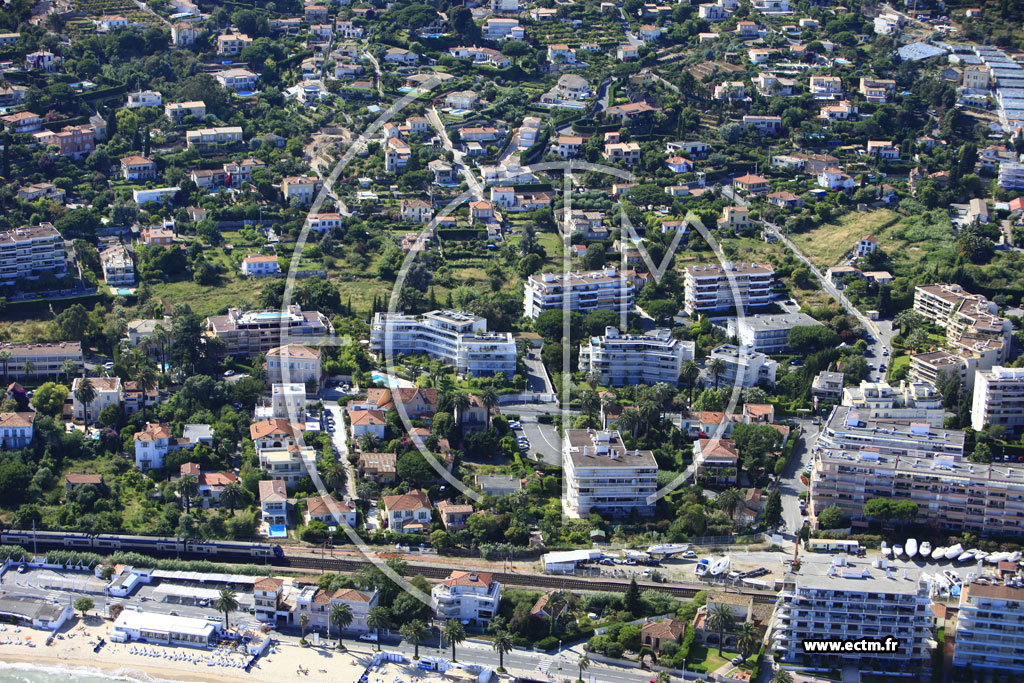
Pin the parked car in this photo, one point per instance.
(689, 555)
(227, 373)
(515, 424)
(737, 660)
(368, 637)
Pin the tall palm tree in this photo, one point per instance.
(728, 500)
(589, 403)
(415, 632)
(29, 368)
(162, 339)
(340, 617)
(67, 368)
(188, 487)
(303, 624)
(748, 638)
(334, 475)
(716, 367)
(907, 318)
(556, 603)
(782, 676)
(5, 358)
(226, 603)
(489, 397)
(377, 619)
(690, 373)
(454, 634)
(144, 377)
(609, 402)
(649, 414)
(721, 619)
(85, 394)
(628, 421)
(663, 392)
(502, 644)
(233, 496)
(583, 663)
(460, 402)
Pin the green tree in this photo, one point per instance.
(415, 632)
(782, 676)
(378, 619)
(831, 518)
(982, 453)
(303, 624)
(748, 638)
(721, 619)
(454, 634)
(188, 487)
(631, 600)
(502, 644)
(340, 617)
(226, 603)
(85, 394)
(583, 662)
(233, 496)
(49, 399)
(83, 605)
(773, 508)
(728, 500)
(716, 367)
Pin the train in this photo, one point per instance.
(153, 545)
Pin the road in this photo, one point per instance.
(340, 440)
(457, 157)
(544, 440)
(537, 380)
(376, 70)
(630, 36)
(790, 485)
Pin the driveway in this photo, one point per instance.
(544, 440)
(537, 380)
(457, 156)
(790, 485)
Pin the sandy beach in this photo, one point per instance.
(75, 652)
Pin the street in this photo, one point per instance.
(790, 485)
(457, 156)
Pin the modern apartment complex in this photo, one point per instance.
(998, 399)
(768, 333)
(910, 402)
(466, 596)
(856, 459)
(602, 474)
(294, 362)
(721, 287)
(458, 338)
(755, 367)
(27, 252)
(254, 332)
(288, 463)
(636, 358)
(596, 290)
(973, 326)
(117, 266)
(847, 604)
(990, 630)
(45, 359)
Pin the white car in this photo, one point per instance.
(515, 424)
(368, 637)
(229, 373)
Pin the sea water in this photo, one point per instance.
(35, 673)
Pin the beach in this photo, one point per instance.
(73, 658)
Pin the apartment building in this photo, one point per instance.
(720, 287)
(16, 430)
(30, 251)
(998, 399)
(636, 358)
(765, 125)
(848, 604)
(596, 290)
(288, 463)
(601, 474)
(972, 323)
(749, 368)
(294, 363)
(301, 188)
(232, 43)
(273, 502)
(767, 333)
(236, 79)
(209, 138)
(153, 444)
(407, 513)
(624, 152)
(990, 631)
(41, 360)
(466, 596)
(877, 90)
(177, 111)
(826, 86)
(827, 386)
(144, 98)
(909, 402)
(457, 338)
(254, 332)
(118, 269)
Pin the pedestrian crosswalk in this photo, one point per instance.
(544, 664)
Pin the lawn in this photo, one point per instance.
(233, 291)
(706, 659)
(897, 363)
(826, 244)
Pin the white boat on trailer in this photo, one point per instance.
(926, 550)
(897, 550)
(886, 550)
(953, 551)
(939, 553)
(911, 548)
(965, 556)
(720, 567)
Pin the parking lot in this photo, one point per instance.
(544, 442)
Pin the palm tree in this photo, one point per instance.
(502, 644)
(67, 368)
(162, 338)
(556, 603)
(589, 403)
(29, 368)
(649, 414)
(662, 392)
(5, 358)
(662, 677)
(226, 602)
(188, 487)
(460, 402)
(728, 500)
(303, 624)
(341, 616)
(782, 676)
(415, 632)
(233, 496)
(584, 663)
(453, 634)
(690, 373)
(716, 367)
(609, 402)
(334, 475)
(748, 638)
(85, 394)
(628, 420)
(489, 397)
(721, 619)
(377, 619)
(907, 318)
(145, 379)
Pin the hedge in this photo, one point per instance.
(461, 234)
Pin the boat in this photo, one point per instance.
(979, 554)
(953, 551)
(952, 577)
(939, 553)
(965, 556)
(897, 550)
(1014, 556)
(926, 550)
(911, 548)
(702, 566)
(886, 550)
(996, 558)
(720, 567)
(668, 549)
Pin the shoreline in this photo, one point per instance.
(110, 669)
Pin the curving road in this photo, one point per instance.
(458, 157)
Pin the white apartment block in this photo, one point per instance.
(46, 359)
(118, 269)
(144, 98)
(850, 604)
(294, 363)
(1011, 175)
(990, 631)
(288, 464)
(755, 367)
(466, 596)
(27, 252)
(596, 290)
(107, 393)
(998, 399)
(602, 474)
(636, 358)
(253, 332)
(910, 402)
(720, 287)
(972, 323)
(457, 338)
(767, 333)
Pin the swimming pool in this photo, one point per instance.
(277, 531)
(383, 379)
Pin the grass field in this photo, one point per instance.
(706, 659)
(826, 244)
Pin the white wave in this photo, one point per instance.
(63, 672)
